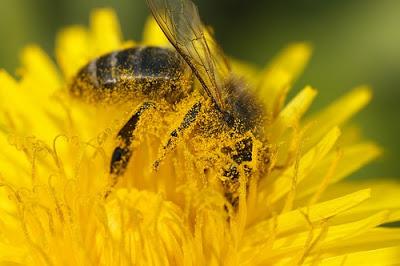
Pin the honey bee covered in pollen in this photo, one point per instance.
(222, 124)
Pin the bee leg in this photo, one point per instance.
(188, 119)
(123, 152)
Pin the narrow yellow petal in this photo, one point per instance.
(292, 176)
(291, 114)
(8, 89)
(293, 58)
(310, 242)
(384, 197)
(153, 35)
(298, 220)
(334, 234)
(106, 32)
(246, 70)
(73, 50)
(280, 74)
(37, 67)
(350, 134)
(41, 81)
(11, 255)
(377, 257)
(351, 159)
(337, 113)
(374, 239)
(15, 110)
(13, 104)
(14, 168)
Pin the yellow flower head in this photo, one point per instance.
(293, 209)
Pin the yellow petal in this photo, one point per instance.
(40, 80)
(374, 239)
(337, 113)
(15, 169)
(153, 35)
(376, 257)
(292, 176)
(291, 114)
(350, 159)
(13, 104)
(73, 50)
(105, 30)
(296, 247)
(8, 90)
(334, 234)
(384, 197)
(280, 74)
(15, 108)
(246, 70)
(37, 68)
(296, 220)
(11, 255)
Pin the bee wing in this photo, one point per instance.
(180, 22)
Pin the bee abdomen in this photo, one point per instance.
(140, 71)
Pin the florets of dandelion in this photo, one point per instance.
(54, 169)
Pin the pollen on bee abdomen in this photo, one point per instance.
(151, 73)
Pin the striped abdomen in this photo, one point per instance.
(148, 72)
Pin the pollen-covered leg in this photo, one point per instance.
(189, 118)
(241, 154)
(123, 152)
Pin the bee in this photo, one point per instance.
(226, 107)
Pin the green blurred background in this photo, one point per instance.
(356, 42)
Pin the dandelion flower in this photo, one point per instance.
(55, 154)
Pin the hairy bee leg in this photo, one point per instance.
(123, 152)
(188, 119)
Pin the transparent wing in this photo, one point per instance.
(180, 22)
